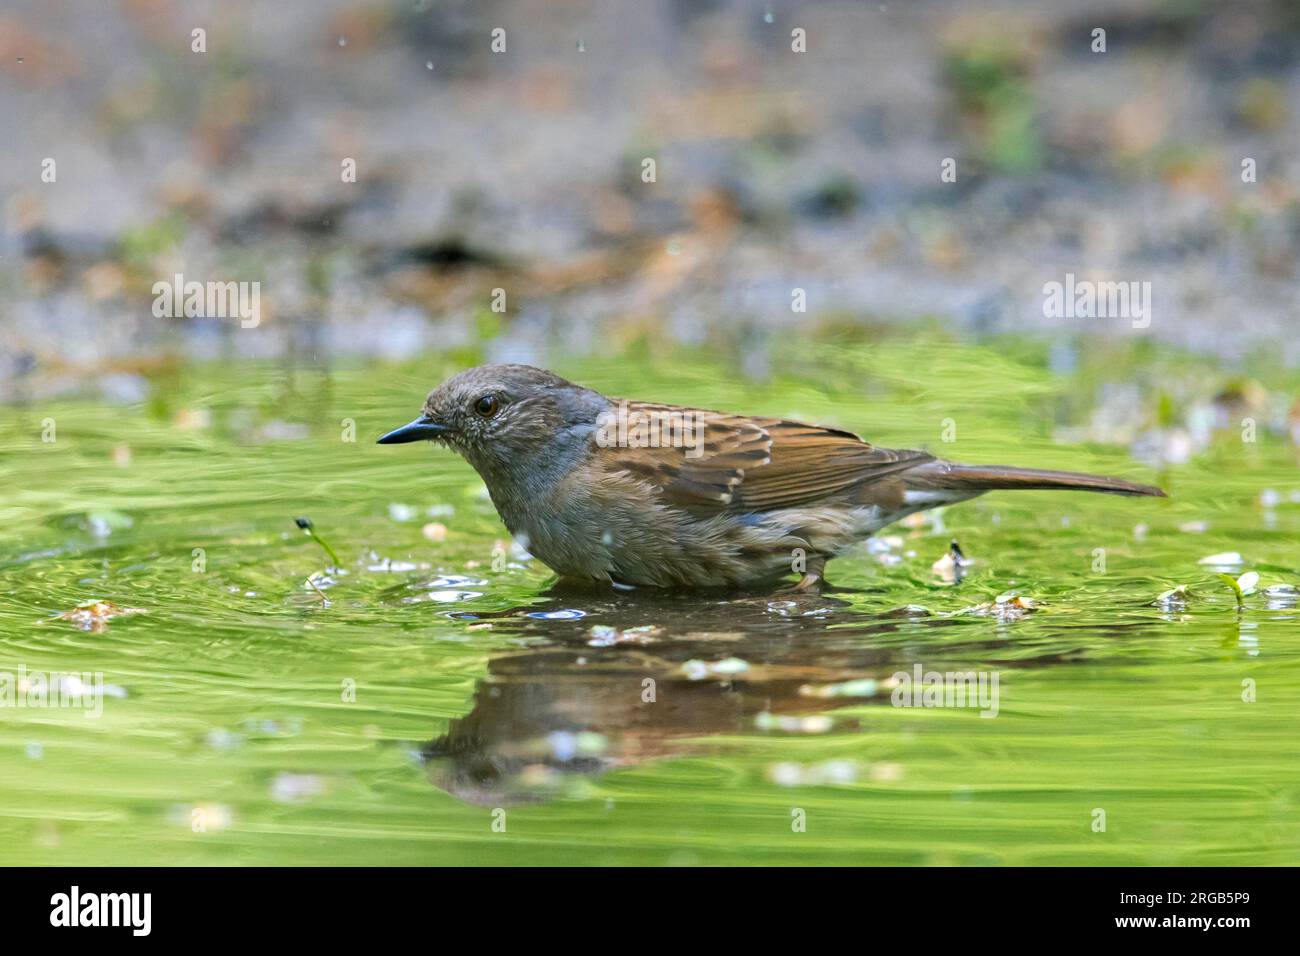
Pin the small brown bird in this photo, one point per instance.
(635, 493)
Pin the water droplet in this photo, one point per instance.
(428, 64)
(343, 41)
(401, 512)
(568, 614)
(582, 47)
(564, 745)
(390, 566)
(453, 581)
(769, 16)
(452, 597)
(295, 787)
(221, 739)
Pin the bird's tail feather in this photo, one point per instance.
(949, 475)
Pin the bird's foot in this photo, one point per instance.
(812, 583)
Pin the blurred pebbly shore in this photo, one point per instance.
(777, 175)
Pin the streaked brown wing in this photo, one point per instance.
(755, 464)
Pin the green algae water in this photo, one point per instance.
(431, 700)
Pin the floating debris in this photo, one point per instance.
(320, 580)
(93, 616)
(202, 817)
(790, 774)
(279, 430)
(1225, 559)
(72, 687)
(602, 635)
(219, 738)
(192, 419)
(1175, 599)
(296, 787)
(325, 601)
(1011, 606)
(727, 667)
(861, 687)
(103, 523)
(401, 512)
(435, 531)
(786, 723)
(886, 772)
(268, 727)
(565, 745)
(1161, 447)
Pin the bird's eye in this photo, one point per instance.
(487, 406)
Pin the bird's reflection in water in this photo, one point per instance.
(638, 676)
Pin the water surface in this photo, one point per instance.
(434, 700)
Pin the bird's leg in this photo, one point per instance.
(813, 579)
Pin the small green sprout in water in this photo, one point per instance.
(1242, 587)
(310, 531)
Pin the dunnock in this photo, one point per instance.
(636, 493)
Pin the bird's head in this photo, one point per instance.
(508, 421)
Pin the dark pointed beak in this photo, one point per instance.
(421, 429)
